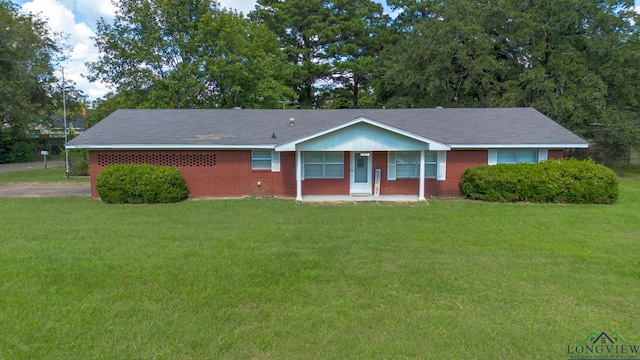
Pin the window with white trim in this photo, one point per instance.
(324, 164)
(261, 159)
(514, 156)
(408, 164)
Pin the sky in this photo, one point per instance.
(77, 19)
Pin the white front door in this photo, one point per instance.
(361, 172)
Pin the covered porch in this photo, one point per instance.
(343, 159)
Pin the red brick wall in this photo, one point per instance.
(556, 154)
(232, 176)
(457, 162)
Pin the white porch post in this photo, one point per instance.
(421, 177)
(298, 176)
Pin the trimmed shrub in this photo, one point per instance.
(140, 184)
(561, 181)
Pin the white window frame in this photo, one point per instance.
(324, 164)
(541, 155)
(260, 155)
(415, 163)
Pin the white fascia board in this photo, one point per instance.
(433, 145)
(169, 147)
(519, 146)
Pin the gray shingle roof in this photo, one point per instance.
(458, 127)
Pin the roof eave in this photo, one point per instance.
(521, 146)
(169, 147)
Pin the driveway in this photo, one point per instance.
(45, 189)
(62, 189)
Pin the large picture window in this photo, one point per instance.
(261, 159)
(514, 156)
(324, 164)
(408, 164)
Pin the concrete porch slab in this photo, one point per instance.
(338, 198)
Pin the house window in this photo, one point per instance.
(261, 159)
(324, 164)
(514, 156)
(408, 164)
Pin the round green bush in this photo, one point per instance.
(140, 184)
(561, 181)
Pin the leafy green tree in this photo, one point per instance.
(360, 34)
(574, 60)
(101, 108)
(302, 29)
(189, 54)
(332, 45)
(27, 53)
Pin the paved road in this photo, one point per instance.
(62, 189)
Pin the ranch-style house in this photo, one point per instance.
(298, 153)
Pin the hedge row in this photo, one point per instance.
(560, 181)
(140, 184)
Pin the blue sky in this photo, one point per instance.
(78, 18)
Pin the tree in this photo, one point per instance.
(301, 28)
(189, 54)
(360, 35)
(574, 60)
(332, 45)
(27, 52)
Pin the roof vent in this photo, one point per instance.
(273, 136)
(237, 108)
(291, 122)
(439, 107)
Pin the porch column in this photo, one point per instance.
(298, 175)
(421, 177)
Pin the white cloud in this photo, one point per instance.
(243, 6)
(95, 9)
(61, 19)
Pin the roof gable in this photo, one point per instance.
(361, 134)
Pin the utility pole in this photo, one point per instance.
(64, 117)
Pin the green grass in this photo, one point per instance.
(629, 170)
(51, 174)
(269, 279)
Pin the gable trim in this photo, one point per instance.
(433, 145)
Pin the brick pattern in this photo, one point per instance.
(556, 154)
(457, 162)
(228, 173)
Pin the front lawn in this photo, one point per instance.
(269, 279)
